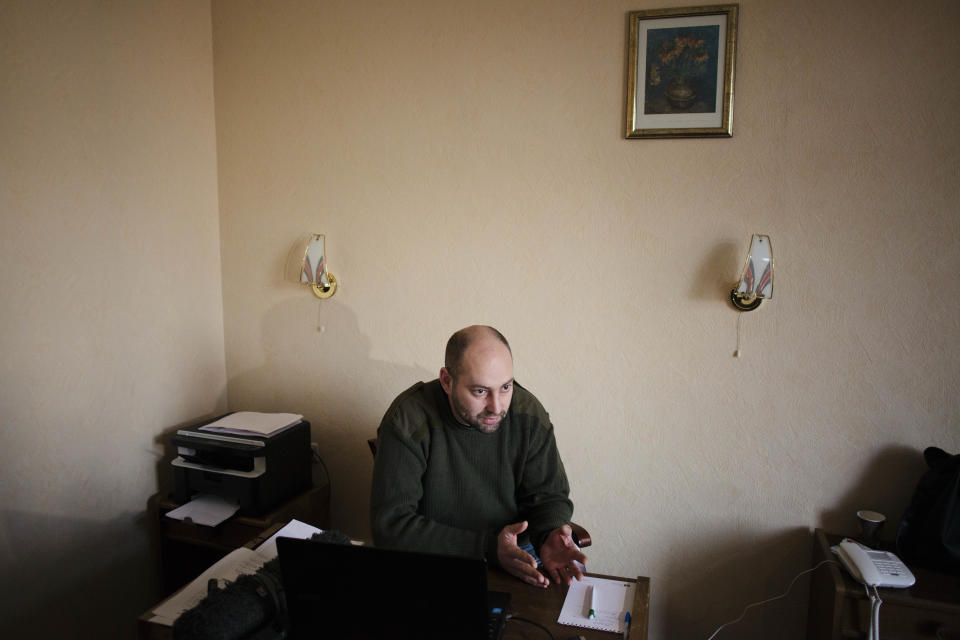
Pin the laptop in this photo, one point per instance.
(358, 592)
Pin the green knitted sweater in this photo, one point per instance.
(442, 487)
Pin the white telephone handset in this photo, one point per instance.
(873, 568)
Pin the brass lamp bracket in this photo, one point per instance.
(324, 291)
(744, 301)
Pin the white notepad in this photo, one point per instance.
(614, 600)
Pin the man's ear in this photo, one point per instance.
(446, 380)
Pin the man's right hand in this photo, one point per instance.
(515, 560)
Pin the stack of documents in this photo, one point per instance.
(252, 423)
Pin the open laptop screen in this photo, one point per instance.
(345, 592)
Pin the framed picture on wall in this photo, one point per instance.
(680, 70)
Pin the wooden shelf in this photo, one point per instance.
(840, 608)
(185, 550)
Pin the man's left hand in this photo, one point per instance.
(559, 556)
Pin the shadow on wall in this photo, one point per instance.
(712, 583)
(73, 578)
(718, 272)
(886, 485)
(317, 363)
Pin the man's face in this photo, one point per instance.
(481, 392)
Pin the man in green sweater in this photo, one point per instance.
(468, 465)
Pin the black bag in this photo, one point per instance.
(252, 607)
(929, 533)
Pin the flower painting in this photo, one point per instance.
(680, 70)
(682, 73)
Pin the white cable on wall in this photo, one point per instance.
(783, 595)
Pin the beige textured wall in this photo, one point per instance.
(111, 327)
(466, 161)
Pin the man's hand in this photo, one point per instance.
(515, 560)
(558, 554)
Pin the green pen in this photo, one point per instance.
(593, 603)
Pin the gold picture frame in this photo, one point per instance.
(680, 70)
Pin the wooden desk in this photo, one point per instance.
(543, 606)
(839, 607)
(540, 605)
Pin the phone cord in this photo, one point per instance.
(875, 603)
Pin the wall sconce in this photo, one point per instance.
(306, 264)
(756, 277)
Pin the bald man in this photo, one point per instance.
(468, 465)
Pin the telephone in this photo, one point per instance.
(873, 568)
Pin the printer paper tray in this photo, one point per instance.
(259, 468)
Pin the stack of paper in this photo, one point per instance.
(247, 423)
(206, 509)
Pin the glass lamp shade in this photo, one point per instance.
(756, 278)
(306, 264)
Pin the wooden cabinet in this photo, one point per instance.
(840, 607)
(186, 550)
